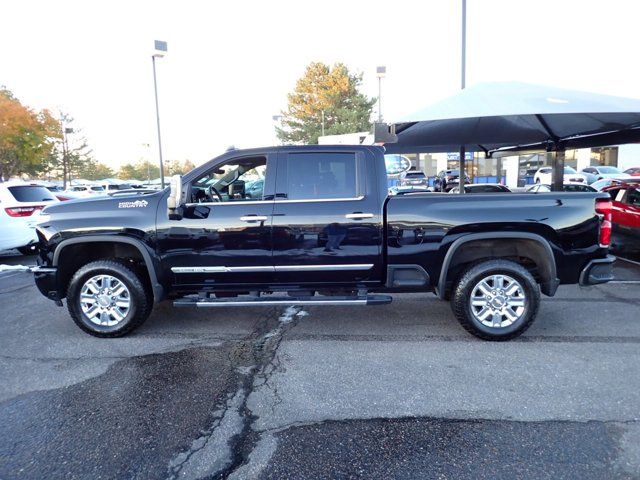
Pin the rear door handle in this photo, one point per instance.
(254, 218)
(358, 215)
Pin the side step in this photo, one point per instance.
(271, 301)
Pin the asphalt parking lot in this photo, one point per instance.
(398, 391)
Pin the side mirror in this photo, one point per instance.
(174, 201)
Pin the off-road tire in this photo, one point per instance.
(141, 298)
(461, 297)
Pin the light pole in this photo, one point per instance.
(463, 72)
(160, 51)
(380, 73)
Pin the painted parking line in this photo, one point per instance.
(627, 260)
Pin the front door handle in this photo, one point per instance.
(358, 215)
(254, 218)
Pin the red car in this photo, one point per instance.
(633, 171)
(626, 215)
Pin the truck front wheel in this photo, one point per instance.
(496, 299)
(106, 298)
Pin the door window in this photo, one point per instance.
(238, 180)
(633, 197)
(318, 176)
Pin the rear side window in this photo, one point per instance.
(31, 193)
(317, 176)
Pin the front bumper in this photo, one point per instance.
(598, 271)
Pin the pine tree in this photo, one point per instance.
(325, 93)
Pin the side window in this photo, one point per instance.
(317, 176)
(235, 181)
(633, 197)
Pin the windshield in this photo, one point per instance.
(608, 170)
(569, 170)
(415, 175)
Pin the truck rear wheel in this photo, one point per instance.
(106, 298)
(496, 299)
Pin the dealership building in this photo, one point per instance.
(513, 171)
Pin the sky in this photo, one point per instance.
(230, 65)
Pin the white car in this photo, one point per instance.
(596, 173)
(20, 207)
(543, 175)
(84, 191)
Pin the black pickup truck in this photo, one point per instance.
(313, 225)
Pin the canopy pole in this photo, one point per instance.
(557, 173)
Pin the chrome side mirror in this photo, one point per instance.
(174, 201)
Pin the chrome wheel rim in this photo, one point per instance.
(105, 300)
(498, 301)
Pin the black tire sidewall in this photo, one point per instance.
(471, 278)
(137, 297)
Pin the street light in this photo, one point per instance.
(160, 51)
(380, 73)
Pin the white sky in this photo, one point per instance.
(231, 64)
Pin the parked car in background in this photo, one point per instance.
(20, 206)
(543, 175)
(414, 178)
(84, 191)
(447, 179)
(600, 185)
(567, 187)
(399, 189)
(254, 189)
(625, 216)
(482, 188)
(596, 172)
(633, 171)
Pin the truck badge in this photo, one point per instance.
(136, 204)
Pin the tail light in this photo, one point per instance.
(604, 208)
(22, 211)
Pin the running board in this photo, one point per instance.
(282, 301)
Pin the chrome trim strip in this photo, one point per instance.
(220, 269)
(353, 199)
(358, 216)
(323, 268)
(254, 303)
(277, 200)
(278, 268)
(240, 202)
(43, 269)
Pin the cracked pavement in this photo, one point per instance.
(399, 391)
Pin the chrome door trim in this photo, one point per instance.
(254, 218)
(322, 268)
(358, 216)
(280, 268)
(318, 200)
(221, 269)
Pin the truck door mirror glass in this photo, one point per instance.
(174, 201)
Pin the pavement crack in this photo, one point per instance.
(227, 443)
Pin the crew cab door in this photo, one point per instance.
(327, 219)
(224, 236)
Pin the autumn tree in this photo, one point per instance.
(94, 170)
(27, 137)
(326, 95)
